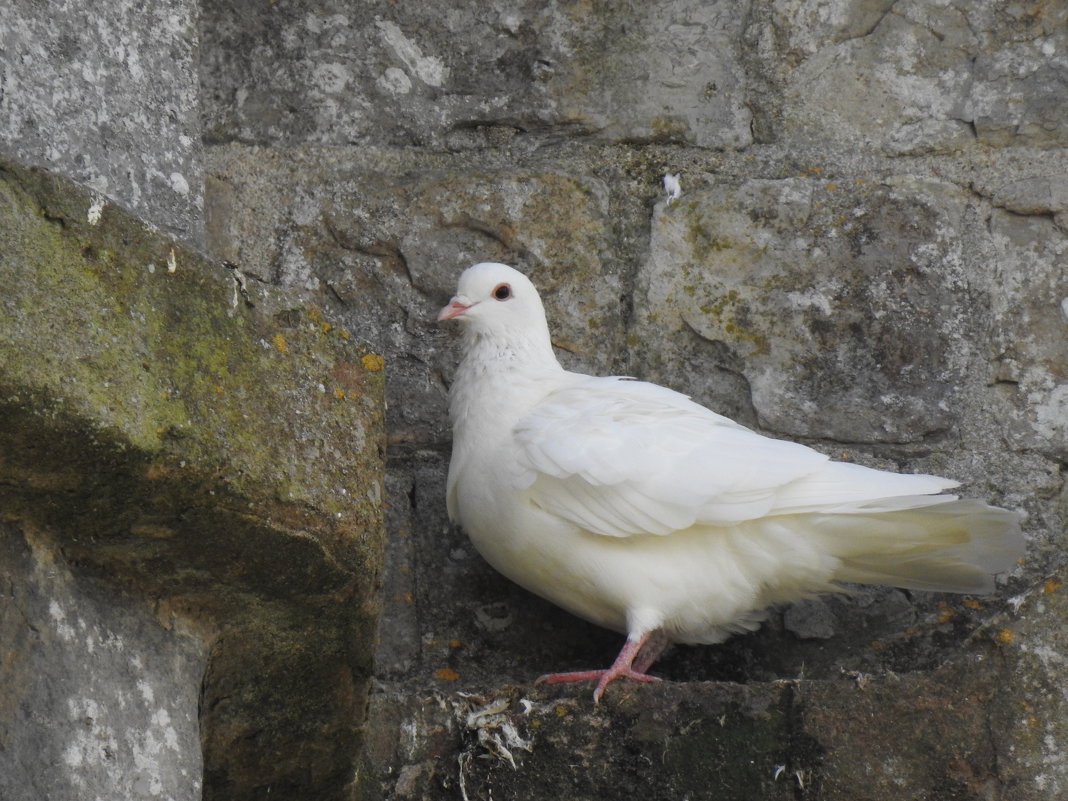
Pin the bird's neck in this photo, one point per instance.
(508, 353)
(502, 377)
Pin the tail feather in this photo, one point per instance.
(950, 546)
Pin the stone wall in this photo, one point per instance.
(867, 256)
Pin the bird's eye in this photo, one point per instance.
(502, 292)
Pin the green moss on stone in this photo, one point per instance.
(93, 315)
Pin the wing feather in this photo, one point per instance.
(620, 457)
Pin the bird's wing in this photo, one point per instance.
(621, 457)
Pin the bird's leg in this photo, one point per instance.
(622, 668)
(655, 645)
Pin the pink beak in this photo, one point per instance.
(454, 309)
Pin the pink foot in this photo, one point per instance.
(622, 668)
(602, 677)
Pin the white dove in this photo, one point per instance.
(633, 507)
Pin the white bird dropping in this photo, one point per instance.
(637, 509)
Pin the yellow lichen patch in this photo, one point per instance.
(454, 643)
(971, 603)
(761, 344)
(567, 344)
(946, 614)
(1049, 585)
(446, 674)
(373, 362)
(667, 128)
(1006, 636)
(279, 342)
(339, 393)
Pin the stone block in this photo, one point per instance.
(1030, 307)
(191, 489)
(853, 738)
(99, 695)
(108, 94)
(444, 74)
(842, 304)
(911, 78)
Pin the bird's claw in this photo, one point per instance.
(602, 677)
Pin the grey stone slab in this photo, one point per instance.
(441, 74)
(109, 95)
(91, 686)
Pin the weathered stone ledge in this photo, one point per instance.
(190, 484)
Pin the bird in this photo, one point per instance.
(672, 186)
(635, 508)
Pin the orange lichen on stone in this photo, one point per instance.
(373, 362)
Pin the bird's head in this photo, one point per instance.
(495, 299)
